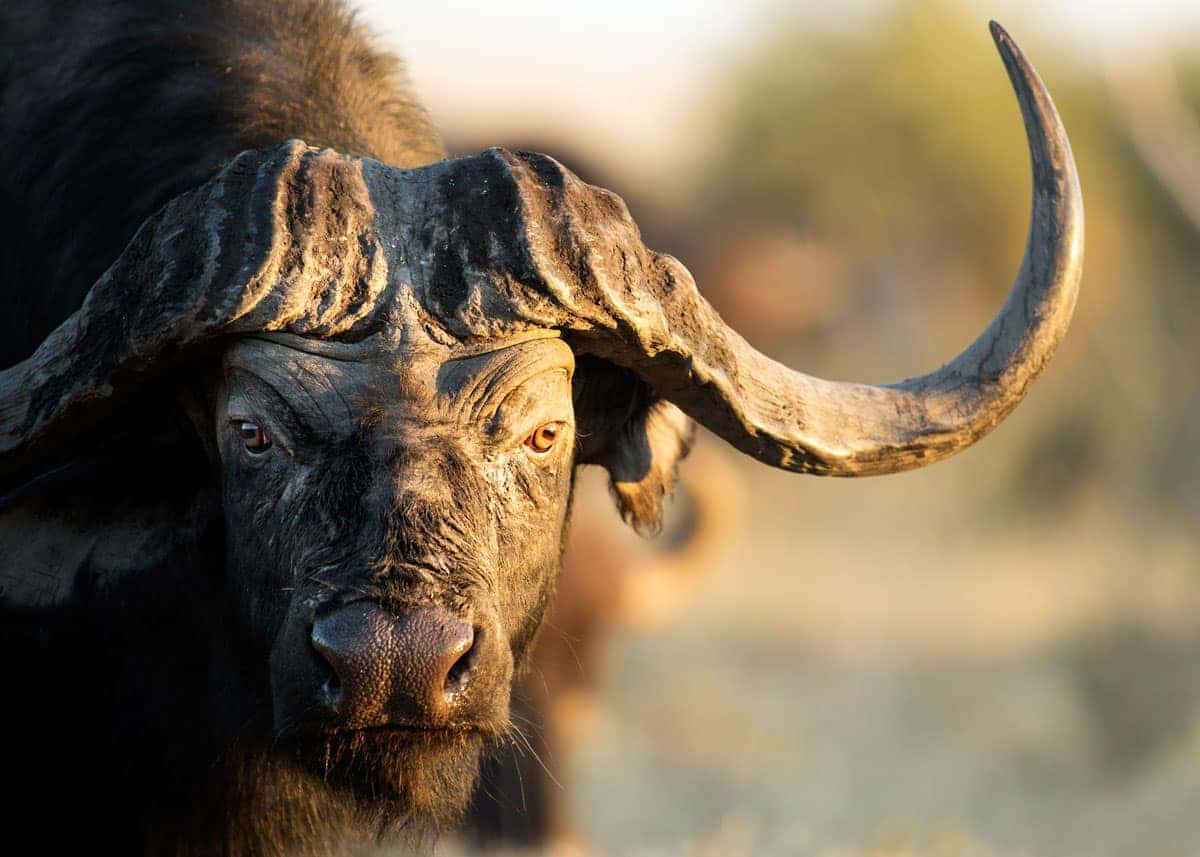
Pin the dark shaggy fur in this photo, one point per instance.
(109, 109)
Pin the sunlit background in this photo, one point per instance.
(996, 656)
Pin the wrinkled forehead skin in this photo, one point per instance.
(336, 386)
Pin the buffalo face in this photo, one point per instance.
(394, 523)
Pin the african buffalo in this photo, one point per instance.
(288, 430)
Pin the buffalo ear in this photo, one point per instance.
(644, 461)
(636, 436)
(137, 501)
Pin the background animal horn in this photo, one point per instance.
(643, 311)
(222, 259)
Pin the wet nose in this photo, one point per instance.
(408, 668)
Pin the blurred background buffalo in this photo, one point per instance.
(999, 655)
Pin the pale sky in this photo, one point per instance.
(625, 77)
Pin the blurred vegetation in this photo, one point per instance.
(864, 136)
(900, 143)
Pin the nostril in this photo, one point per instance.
(373, 666)
(331, 687)
(331, 690)
(460, 670)
(325, 648)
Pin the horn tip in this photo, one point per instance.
(1005, 43)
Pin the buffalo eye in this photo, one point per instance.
(541, 439)
(254, 437)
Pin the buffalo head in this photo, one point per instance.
(387, 377)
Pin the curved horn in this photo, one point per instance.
(278, 240)
(643, 311)
(291, 240)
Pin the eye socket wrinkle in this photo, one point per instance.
(271, 409)
(540, 401)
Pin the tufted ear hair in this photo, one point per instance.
(636, 436)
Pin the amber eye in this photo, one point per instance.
(543, 437)
(253, 436)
